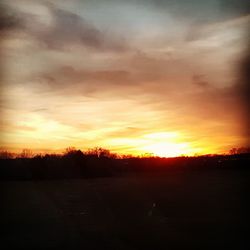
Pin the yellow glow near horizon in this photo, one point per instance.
(166, 144)
(166, 149)
(163, 144)
(39, 134)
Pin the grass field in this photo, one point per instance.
(177, 210)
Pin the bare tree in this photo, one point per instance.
(241, 150)
(100, 152)
(26, 153)
(6, 155)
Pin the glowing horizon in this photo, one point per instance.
(161, 144)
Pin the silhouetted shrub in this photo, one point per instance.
(101, 163)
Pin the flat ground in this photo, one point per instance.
(195, 210)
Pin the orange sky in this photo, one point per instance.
(131, 76)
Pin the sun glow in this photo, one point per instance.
(166, 144)
(165, 149)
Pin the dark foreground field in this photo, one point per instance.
(177, 210)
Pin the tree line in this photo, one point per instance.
(96, 151)
(99, 162)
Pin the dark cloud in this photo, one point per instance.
(77, 81)
(75, 75)
(213, 10)
(237, 7)
(138, 75)
(244, 76)
(69, 29)
(200, 80)
(242, 88)
(65, 31)
(8, 19)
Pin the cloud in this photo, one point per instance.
(69, 29)
(244, 76)
(81, 81)
(127, 132)
(210, 30)
(8, 19)
(200, 80)
(242, 89)
(64, 31)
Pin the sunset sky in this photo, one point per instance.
(147, 76)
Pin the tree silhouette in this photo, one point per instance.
(241, 150)
(26, 153)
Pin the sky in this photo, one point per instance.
(146, 76)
